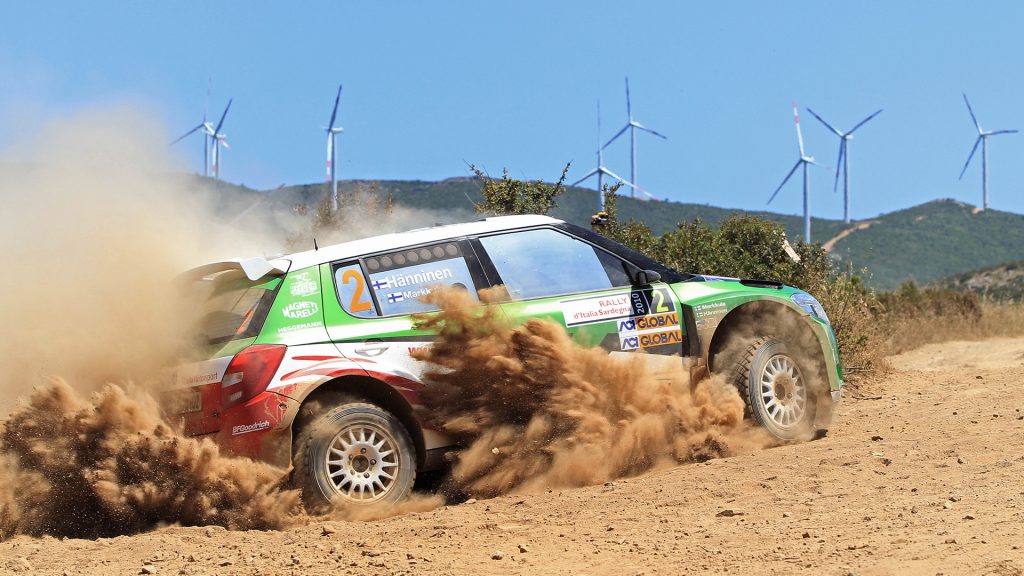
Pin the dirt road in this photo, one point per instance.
(922, 475)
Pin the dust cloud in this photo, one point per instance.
(110, 465)
(98, 221)
(532, 410)
(97, 224)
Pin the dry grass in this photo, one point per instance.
(994, 319)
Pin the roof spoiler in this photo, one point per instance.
(253, 268)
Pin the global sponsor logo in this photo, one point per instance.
(303, 285)
(648, 322)
(300, 309)
(247, 428)
(636, 341)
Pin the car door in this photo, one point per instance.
(549, 273)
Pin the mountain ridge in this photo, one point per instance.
(925, 243)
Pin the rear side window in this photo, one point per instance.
(395, 282)
(233, 306)
(353, 293)
(544, 262)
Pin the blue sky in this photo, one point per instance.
(430, 86)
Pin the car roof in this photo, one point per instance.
(395, 241)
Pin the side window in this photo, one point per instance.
(352, 291)
(544, 262)
(399, 279)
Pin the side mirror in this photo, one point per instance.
(646, 277)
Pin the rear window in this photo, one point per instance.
(233, 306)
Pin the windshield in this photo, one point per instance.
(233, 306)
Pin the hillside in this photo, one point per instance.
(925, 243)
(932, 241)
(1002, 282)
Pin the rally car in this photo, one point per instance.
(307, 361)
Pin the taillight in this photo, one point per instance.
(249, 373)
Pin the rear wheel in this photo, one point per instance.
(355, 454)
(775, 387)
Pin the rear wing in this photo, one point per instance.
(253, 268)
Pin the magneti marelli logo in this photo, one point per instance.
(298, 310)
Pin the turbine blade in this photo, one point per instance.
(973, 150)
(839, 163)
(222, 117)
(588, 175)
(865, 121)
(786, 179)
(971, 110)
(649, 131)
(827, 125)
(1003, 132)
(629, 107)
(619, 178)
(334, 113)
(799, 134)
(185, 135)
(617, 134)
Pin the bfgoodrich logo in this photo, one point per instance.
(246, 428)
(302, 309)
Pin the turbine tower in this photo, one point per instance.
(208, 131)
(983, 140)
(844, 158)
(601, 171)
(219, 139)
(804, 161)
(632, 125)
(332, 180)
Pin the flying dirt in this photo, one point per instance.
(532, 409)
(908, 480)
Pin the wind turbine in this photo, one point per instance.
(632, 125)
(601, 171)
(208, 131)
(803, 161)
(331, 172)
(219, 139)
(844, 158)
(983, 139)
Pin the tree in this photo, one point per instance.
(511, 196)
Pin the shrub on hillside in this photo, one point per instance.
(508, 195)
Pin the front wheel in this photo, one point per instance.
(355, 453)
(774, 386)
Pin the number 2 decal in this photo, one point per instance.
(658, 299)
(357, 304)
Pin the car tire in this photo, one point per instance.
(354, 454)
(776, 389)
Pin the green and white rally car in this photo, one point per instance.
(308, 355)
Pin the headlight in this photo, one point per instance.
(811, 305)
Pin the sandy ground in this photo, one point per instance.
(921, 475)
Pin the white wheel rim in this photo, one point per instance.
(362, 462)
(783, 391)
